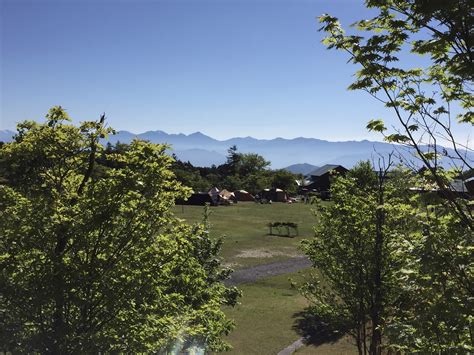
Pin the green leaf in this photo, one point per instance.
(376, 125)
(397, 138)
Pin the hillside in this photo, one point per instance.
(304, 168)
(6, 135)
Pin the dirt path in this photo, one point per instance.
(255, 273)
(290, 349)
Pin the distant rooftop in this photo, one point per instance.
(324, 169)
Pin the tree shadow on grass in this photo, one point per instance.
(282, 235)
(317, 329)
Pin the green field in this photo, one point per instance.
(244, 226)
(268, 310)
(265, 316)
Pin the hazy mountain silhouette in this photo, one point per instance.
(200, 157)
(6, 135)
(202, 150)
(281, 152)
(304, 168)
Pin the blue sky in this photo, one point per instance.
(223, 67)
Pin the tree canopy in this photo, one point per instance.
(426, 100)
(92, 258)
(430, 261)
(355, 253)
(241, 171)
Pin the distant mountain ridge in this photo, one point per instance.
(303, 168)
(6, 135)
(281, 152)
(202, 150)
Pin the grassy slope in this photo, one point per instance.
(264, 318)
(342, 347)
(247, 242)
(266, 313)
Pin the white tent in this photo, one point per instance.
(214, 193)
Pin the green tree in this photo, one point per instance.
(354, 250)
(424, 100)
(231, 166)
(232, 182)
(91, 258)
(285, 180)
(257, 181)
(434, 310)
(190, 176)
(437, 255)
(251, 163)
(246, 171)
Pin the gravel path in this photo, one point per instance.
(255, 273)
(293, 347)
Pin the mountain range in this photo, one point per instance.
(303, 168)
(202, 150)
(6, 135)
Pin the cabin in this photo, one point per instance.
(469, 183)
(320, 179)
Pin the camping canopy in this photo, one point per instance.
(225, 194)
(275, 195)
(242, 195)
(198, 199)
(214, 193)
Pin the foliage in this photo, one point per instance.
(286, 226)
(354, 253)
(435, 312)
(285, 180)
(424, 100)
(437, 275)
(190, 176)
(92, 258)
(242, 171)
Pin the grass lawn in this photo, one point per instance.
(244, 226)
(268, 310)
(345, 346)
(266, 316)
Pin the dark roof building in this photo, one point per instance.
(320, 179)
(457, 187)
(326, 169)
(469, 183)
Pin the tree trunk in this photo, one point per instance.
(56, 342)
(359, 340)
(376, 341)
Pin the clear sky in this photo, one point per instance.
(223, 67)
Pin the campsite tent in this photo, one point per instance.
(275, 195)
(227, 196)
(198, 199)
(280, 195)
(242, 195)
(214, 193)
